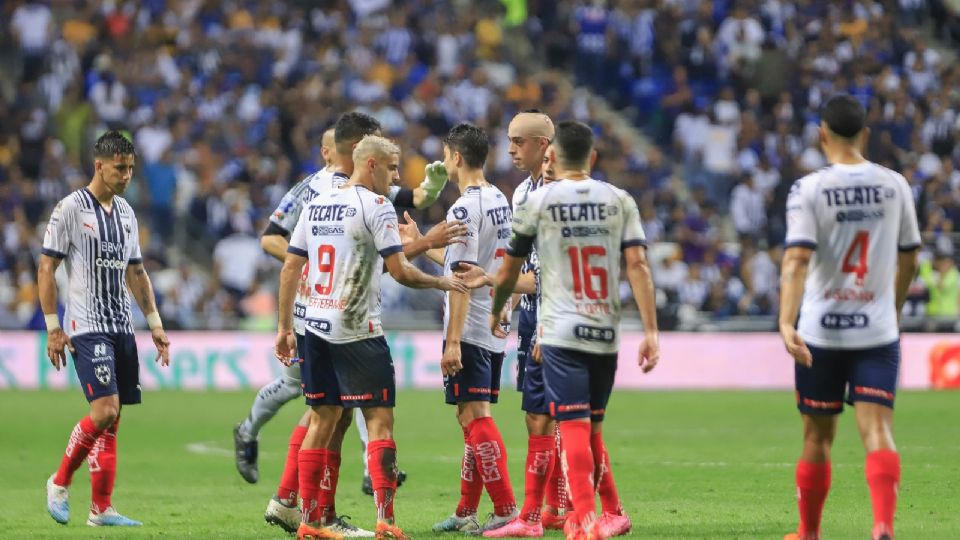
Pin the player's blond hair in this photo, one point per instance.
(374, 146)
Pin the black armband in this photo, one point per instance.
(520, 245)
(275, 230)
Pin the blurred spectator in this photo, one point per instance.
(942, 281)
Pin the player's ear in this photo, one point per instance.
(593, 158)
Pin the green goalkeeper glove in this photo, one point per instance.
(432, 185)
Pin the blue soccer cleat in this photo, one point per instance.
(110, 518)
(58, 501)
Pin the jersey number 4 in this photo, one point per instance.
(326, 258)
(583, 273)
(855, 261)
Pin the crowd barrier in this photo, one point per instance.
(235, 360)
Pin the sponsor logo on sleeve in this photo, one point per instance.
(460, 213)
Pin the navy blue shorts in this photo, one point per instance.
(526, 328)
(301, 346)
(107, 365)
(479, 380)
(578, 383)
(534, 390)
(359, 374)
(853, 375)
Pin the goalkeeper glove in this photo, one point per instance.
(432, 185)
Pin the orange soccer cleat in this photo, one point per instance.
(387, 531)
(306, 532)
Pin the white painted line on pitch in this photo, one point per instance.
(208, 449)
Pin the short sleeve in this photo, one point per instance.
(288, 211)
(298, 240)
(383, 225)
(135, 256)
(526, 219)
(909, 238)
(801, 218)
(632, 229)
(467, 211)
(56, 239)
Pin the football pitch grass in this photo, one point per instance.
(688, 465)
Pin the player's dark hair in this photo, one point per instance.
(350, 128)
(844, 115)
(574, 140)
(533, 110)
(112, 143)
(471, 141)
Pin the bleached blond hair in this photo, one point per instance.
(373, 146)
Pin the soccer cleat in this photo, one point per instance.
(386, 531)
(881, 532)
(110, 518)
(614, 524)
(494, 522)
(246, 456)
(343, 527)
(553, 521)
(281, 515)
(796, 536)
(595, 531)
(455, 523)
(308, 532)
(517, 528)
(58, 501)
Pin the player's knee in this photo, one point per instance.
(104, 415)
(539, 424)
(379, 426)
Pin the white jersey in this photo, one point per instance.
(287, 215)
(486, 214)
(580, 227)
(528, 302)
(344, 234)
(855, 217)
(97, 246)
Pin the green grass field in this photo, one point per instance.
(688, 465)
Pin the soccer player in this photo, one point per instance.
(582, 228)
(282, 509)
(96, 232)
(347, 236)
(851, 233)
(472, 358)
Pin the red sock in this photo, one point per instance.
(382, 462)
(540, 452)
(491, 457)
(557, 486)
(471, 488)
(813, 484)
(289, 485)
(328, 497)
(578, 462)
(603, 477)
(883, 477)
(312, 468)
(102, 462)
(82, 439)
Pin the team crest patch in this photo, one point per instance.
(460, 213)
(102, 372)
(380, 200)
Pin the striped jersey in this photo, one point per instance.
(856, 218)
(486, 213)
(345, 234)
(528, 302)
(97, 246)
(288, 213)
(580, 229)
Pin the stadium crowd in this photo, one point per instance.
(226, 102)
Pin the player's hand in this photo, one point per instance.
(503, 329)
(163, 345)
(474, 276)
(56, 342)
(445, 233)
(649, 352)
(409, 231)
(452, 283)
(451, 363)
(536, 354)
(796, 346)
(286, 347)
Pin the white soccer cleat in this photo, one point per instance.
(495, 522)
(111, 518)
(348, 530)
(58, 501)
(281, 515)
(455, 523)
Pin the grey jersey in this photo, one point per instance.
(97, 247)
